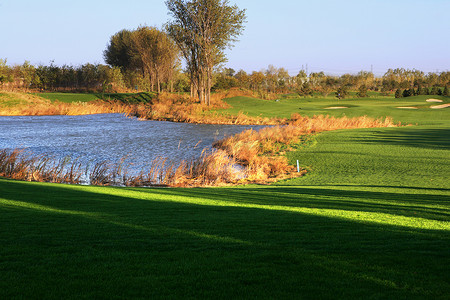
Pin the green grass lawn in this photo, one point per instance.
(371, 220)
(131, 98)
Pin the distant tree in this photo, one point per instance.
(446, 92)
(243, 79)
(408, 93)
(4, 72)
(342, 92)
(419, 90)
(305, 90)
(398, 93)
(257, 80)
(362, 91)
(434, 90)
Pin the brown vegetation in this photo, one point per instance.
(21, 104)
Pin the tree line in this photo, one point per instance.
(111, 78)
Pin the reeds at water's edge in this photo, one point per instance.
(251, 156)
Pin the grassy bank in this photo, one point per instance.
(370, 220)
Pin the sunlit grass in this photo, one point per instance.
(369, 220)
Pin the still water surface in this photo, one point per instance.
(110, 137)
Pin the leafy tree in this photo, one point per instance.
(419, 90)
(121, 52)
(243, 79)
(5, 75)
(398, 93)
(146, 49)
(203, 29)
(446, 91)
(305, 90)
(434, 90)
(408, 92)
(362, 91)
(157, 54)
(342, 92)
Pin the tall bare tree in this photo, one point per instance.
(203, 29)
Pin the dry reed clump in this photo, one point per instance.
(18, 164)
(39, 107)
(213, 167)
(261, 151)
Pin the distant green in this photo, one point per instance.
(373, 107)
(371, 220)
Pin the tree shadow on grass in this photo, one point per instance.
(435, 138)
(139, 243)
(422, 205)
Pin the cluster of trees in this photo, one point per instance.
(399, 93)
(52, 77)
(278, 80)
(120, 76)
(87, 77)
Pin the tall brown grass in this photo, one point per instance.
(22, 165)
(213, 167)
(262, 151)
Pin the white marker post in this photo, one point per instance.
(298, 167)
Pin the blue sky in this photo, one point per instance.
(334, 36)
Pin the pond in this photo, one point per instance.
(110, 137)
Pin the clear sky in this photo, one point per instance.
(333, 36)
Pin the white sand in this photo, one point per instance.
(336, 107)
(407, 107)
(434, 100)
(441, 106)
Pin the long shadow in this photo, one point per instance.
(402, 204)
(419, 138)
(72, 236)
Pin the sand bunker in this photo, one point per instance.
(407, 107)
(434, 100)
(336, 107)
(441, 106)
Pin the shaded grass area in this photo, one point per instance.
(127, 98)
(130, 98)
(317, 242)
